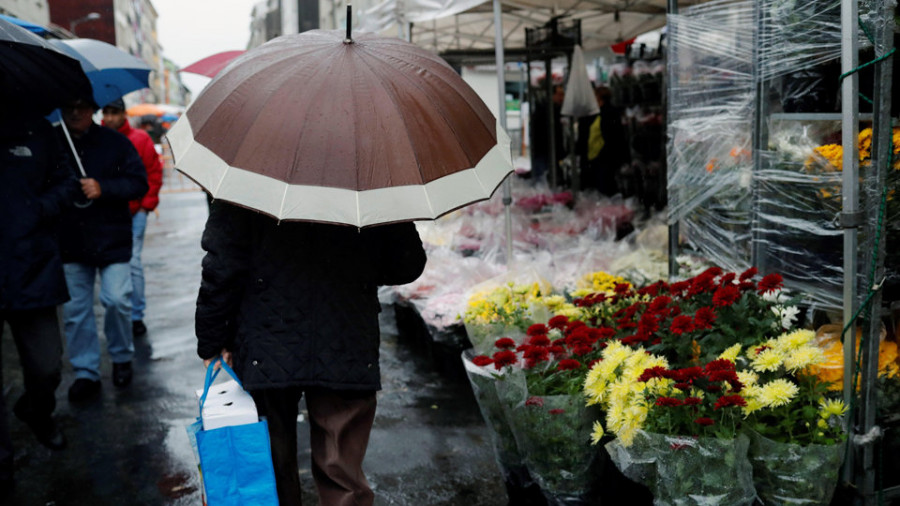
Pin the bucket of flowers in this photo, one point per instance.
(678, 429)
(796, 430)
(539, 387)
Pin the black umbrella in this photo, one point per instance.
(34, 75)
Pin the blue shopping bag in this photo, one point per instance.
(235, 461)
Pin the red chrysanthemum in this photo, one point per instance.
(535, 401)
(622, 288)
(704, 318)
(568, 364)
(679, 287)
(581, 337)
(659, 303)
(482, 360)
(536, 354)
(720, 364)
(505, 358)
(687, 374)
(770, 283)
(574, 325)
(681, 324)
(558, 322)
(604, 332)
(631, 340)
(557, 351)
(727, 376)
(727, 279)
(749, 273)
(701, 284)
(537, 328)
(556, 411)
(505, 343)
(581, 350)
(668, 402)
(726, 295)
(706, 422)
(539, 340)
(522, 347)
(730, 400)
(713, 388)
(648, 324)
(595, 361)
(652, 372)
(692, 401)
(682, 386)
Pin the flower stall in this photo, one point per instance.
(706, 390)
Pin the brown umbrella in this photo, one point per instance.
(315, 127)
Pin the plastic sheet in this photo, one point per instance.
(687, 471)
(786, 474)
(775, 207)
(553, 435)
(484, 387)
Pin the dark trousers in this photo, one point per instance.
(39, 342)
(339, 426)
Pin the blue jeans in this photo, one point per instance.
(83, 342)
(138, 301)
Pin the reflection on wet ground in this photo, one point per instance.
(428, 447)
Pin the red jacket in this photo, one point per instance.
(144, 145)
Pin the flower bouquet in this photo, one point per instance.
(506, 310)
(796, 431)
(539, 384)
(678, 430)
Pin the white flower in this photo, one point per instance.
(776, 296)
(787, 314)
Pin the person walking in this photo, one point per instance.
(36, 186)
(115, 117)
(96, 237)
(295, 305)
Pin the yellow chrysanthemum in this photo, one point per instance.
(767, 360)
(777, 393)
(747, 378)
(553, 301)
(793, 340)
(829, 408)
(731, 353)
(596, 433)
(803, 357)
(570, 311)
(597, 282)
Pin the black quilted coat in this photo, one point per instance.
(296, 302)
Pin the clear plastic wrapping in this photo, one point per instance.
(766, 70)
(687, 471)
(553, 436)
(790, 474)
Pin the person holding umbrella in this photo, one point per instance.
(37, 185)
(96, 237)
(315, 189)
(115, 117)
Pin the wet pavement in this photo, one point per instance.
(429, 445)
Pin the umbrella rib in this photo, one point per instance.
(438, 105)
(283, 200)
(398, 108)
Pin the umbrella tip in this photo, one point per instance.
(349, 39)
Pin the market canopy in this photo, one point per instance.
(449, 25)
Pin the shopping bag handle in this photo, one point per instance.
(211, 373)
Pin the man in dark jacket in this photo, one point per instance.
(36, 185)
(96, 236)
(295, 304)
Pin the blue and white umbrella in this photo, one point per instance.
(112, 71)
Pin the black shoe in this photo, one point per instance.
(122, 374)
(45, 429)
(7, 482)
(84, 390)
(138, 328)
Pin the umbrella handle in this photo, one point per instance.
(65, 130)
(349, 39)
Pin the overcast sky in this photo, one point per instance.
(189, 30)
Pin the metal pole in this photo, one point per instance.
(551, 121)
(501, 115)
(882, 145)
(671, 74)
(849, 197)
